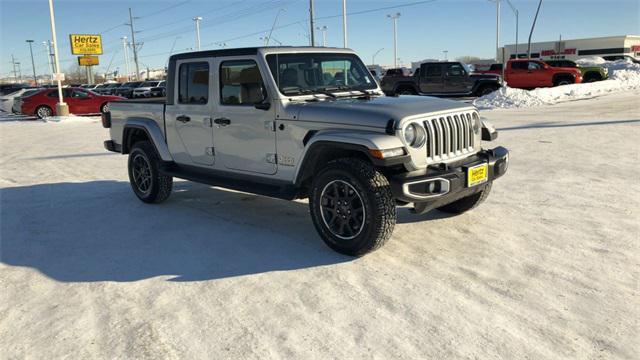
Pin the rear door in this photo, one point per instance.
(191, 141)
(517, 73)
(456, 79)
(244, 135)
(431, 79)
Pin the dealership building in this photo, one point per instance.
(577, 48)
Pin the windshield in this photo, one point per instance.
(113, 85)
(149, 84)
(308, 73)
(132, 84)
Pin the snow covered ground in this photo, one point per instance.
(547, 268)
(623, 77)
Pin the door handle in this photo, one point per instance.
(183, 118)
(222, 121)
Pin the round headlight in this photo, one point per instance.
(477, 124)
(415, 135)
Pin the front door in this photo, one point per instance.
(190, 114)
(456, 79)
(243, 133)
(431, 81)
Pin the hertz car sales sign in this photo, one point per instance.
(82, 44)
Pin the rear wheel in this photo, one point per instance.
(486, 90)
(43, 111)
(467, 203)
(592, 77)
(352, 206)
(406, 91)
(146, 181)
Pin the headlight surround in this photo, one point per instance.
(415, 135)
(476, 124)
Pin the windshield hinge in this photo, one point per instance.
(270, 125)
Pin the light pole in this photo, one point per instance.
(33, 64)
(373, 58)
(395, 17)
(344, 22)
(197, 19)
(445, 52)
(324, 34)
(275, 21)
(497, 28)
(47, 44)
(61, 108)
(312, 39)
(515, 11)
(533, 27)
(126, 57)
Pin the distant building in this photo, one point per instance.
(576, 48)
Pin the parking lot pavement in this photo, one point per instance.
(546, 268)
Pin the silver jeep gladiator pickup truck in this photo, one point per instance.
(305, 122)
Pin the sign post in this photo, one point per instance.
(87, 45)
(61, 108)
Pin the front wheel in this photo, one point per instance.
(486, 90)
(146, 181)
(104, 108)
(352, 206)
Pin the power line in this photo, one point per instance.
(165, 9)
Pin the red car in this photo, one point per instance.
(80, 102)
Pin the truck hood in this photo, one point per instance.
(374, 112)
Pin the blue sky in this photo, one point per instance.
(425, 29)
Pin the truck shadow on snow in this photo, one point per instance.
(99, 231)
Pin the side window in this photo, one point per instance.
(79, 94)
(534, 65)
(193, 83)
(519, 65)
(240, 83)
(434, 70)
(455, 70)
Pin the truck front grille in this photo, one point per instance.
(450, 136)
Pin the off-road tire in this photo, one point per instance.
(405, 90)
(467, 203)
(41, 110)
(160, 186)
(563, 80)
(374, 193)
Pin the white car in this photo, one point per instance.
(17, 101)
(145, 89)
(7, 101)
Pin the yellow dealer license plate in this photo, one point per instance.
(477, 175)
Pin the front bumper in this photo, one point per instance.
(444, 184)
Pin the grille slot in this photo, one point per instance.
(449, 136)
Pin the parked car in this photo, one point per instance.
(160, 90)
(622, 57)
(7, 101)
(109, 89)
(287, 122)
(144, 90)
(17, 101)
(442, 79)
(9, 88)
(98, 88)
(80, 102)
(589, 73)
(126, 89)
(530, 74)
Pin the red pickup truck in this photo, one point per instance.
(529, 74)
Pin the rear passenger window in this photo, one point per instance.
(434, 70)
(193, 83)
(520, 65)
(240, 83)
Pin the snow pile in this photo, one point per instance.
(623, 76)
